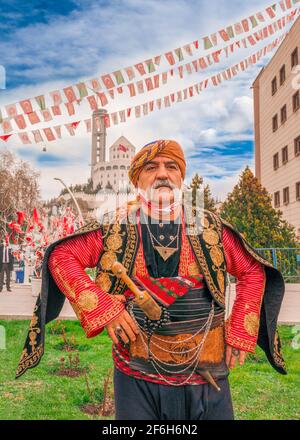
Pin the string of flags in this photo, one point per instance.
(44, 108)
(121, 116)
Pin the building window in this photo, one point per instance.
(282, 75)
(274, 85)
(276, 161)
(285, 156)
(297, 146)
(298, 191)
(294, 58)
(275, 123)
(277, 199)
(286, 196)
(283, 114)
(296, 101)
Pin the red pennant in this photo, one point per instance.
(75, 124)
(5, 137)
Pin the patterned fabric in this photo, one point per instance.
(84, 251)
(167, 148)
(51, 298)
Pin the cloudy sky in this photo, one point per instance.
(46, 45)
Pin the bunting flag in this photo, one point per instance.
(5, 137)
(26, 106)
(41, 102)
(56, 97)
(33, 118)
(24, 138)
(148, 66)
(57, 130)
(37, 136)
(49, 134)
(147, 107)
(70, 94)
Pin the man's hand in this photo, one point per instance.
(123, 326)
(232, 354)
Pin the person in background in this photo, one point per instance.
(6, 265)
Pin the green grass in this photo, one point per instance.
(258, 391)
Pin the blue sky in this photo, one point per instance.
(47, 45)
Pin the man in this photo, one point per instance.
(176, 367)
(6, 265)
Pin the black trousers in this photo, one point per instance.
(137, 399)
(5, 269)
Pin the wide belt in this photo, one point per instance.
(173, 346)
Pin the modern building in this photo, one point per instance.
(277, 127)
(113, 173)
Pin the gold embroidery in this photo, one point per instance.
(107, 260)
(221, 281)
(77, 311)
(68, 290)
(217, 285)
(88, 300)
(102, 320)
(31, 359)
(216, 255)
(114, 242)
(251, 323)
(103, 281)
(204, 222)
(193, 269)
(210, 236)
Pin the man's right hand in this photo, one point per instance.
(124, 327)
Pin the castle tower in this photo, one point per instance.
(98, 137)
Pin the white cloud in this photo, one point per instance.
(101, 38)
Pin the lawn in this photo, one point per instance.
(258, 391)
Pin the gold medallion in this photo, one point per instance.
(216, 255)
(204, 222)
(211, 236)
(103, 281)
(88, 300)
(114, 242)
(107, 260)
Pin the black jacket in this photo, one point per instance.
(10, 257)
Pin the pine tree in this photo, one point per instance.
(209, 201)
(249, 209)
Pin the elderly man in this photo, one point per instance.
(174, 367)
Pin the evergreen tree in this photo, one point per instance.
(209, 201)
(249, 209)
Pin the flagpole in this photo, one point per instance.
(73, 198)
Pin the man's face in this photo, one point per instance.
(159, 178)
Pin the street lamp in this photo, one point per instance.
(73, 198)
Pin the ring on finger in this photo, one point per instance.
(118, 330)
(235, 352)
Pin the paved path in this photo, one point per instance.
(19, 304)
